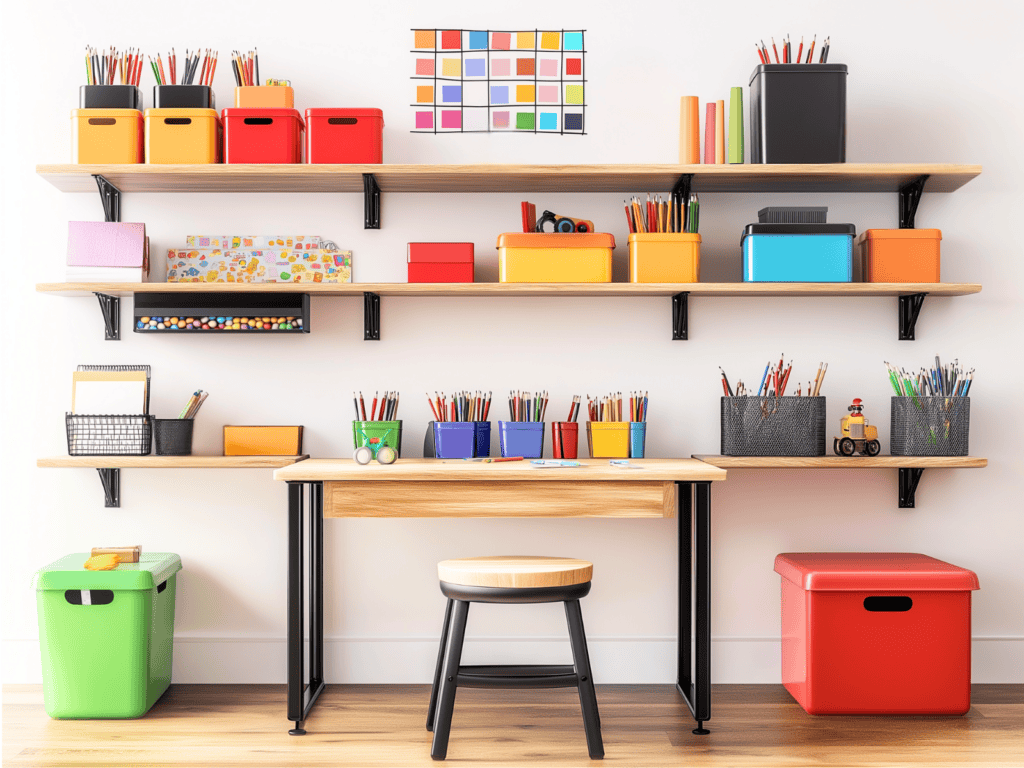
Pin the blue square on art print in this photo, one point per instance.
(574, 122)
(451, 94)
(478, 40)
(573, 41)
(476, 67)
(499, 94)
(548, 121)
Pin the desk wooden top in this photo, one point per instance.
(449, 470)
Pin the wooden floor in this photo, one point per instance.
(753, 725)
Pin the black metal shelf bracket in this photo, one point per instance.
(371, 316)
(110, 307)
(681, 193)
(909, 478)
(909, 309)
(910, 196)
(680, 316)
(111, 480)
(371, 202)
(110, 196)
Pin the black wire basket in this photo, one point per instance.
(930, 426)
(773, 426)
(109, 435)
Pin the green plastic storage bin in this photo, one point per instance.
(106, 636)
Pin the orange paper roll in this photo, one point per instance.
(689, 130)
(720, 131)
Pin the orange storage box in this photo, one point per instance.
(546, 257)
(181, 135)
(900, 255)
(876, 633)
(264, 97)
(664, 257)
(262, 441)
(106, 136)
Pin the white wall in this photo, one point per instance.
(928, 83)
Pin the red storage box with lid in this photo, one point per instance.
(262, 135)
(440, 262)
(876, 633)
(344, 136)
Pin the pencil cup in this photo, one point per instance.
(483, 439)
(773, 426)
(929, 426)
(376, 434)
(110, 97)
(521, 438)
(565, 438)
(608, 439)
(637, 439)
(454, 439)
(265, 97)
(172, 437)
(183, 97)
(664, 257)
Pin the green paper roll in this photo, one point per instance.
(736, 125)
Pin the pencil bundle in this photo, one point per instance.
(610, 407)
(787, 52)
(193, 405)
(246, 67)
(465, 406)
(774, 382)
(656, 215)
(192, 60)
(102, 68)
(388, 407)
(950, 380)
(574, 408)
(525, 406)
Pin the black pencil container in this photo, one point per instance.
(172, 437)
(798, 113)
(110, 97)
(183, 97)
(930, 426)
(773, 426)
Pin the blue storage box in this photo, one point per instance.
(454, 439)
(798, 253)
(521, 438)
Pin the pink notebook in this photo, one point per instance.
(106, 244)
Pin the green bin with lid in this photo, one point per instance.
(106, 636)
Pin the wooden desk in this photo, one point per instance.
(460, 489)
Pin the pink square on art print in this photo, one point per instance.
(451, 118)
(501, 119)
(548, 93)
(500, 68)
(501, 40)
(549, 67)
(425, 120)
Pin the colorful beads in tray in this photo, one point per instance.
(223, 323)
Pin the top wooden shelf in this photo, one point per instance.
(844, 462)
(839, 177)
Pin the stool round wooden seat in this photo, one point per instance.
(511, 580)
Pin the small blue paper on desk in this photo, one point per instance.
(555, 463)
(624, 463)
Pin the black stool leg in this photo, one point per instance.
(588, 698)
(446, 702)
(436, 687)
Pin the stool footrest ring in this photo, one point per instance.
(518, 676)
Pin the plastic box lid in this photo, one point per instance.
(153, 569)
(871, 571)
(341, 112)
(106, 113)
(664, 237)
(793, 69)
(181, 112)
(798, 229)
(556, 240)
(440, 252)
(900, 234)
(259, 112)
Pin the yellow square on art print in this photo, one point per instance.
(574, 94)
(525, 39)
(425, 94)
(425, 38)
(451, 67)
(524, 93)
(549, 41)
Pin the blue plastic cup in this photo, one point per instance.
(521, 438)
(454, 439)
(637, 439)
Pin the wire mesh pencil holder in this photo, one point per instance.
(773, 426)
(172, 437)
(109, 435)
(929, 426)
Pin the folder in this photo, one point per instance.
(109, 392)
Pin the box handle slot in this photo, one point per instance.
(888, 603)
(342, 121)
(161, 587)
(89, 596)
(177, 121)
(102, 121)
(258, 120)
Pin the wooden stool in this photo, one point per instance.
(511, 580)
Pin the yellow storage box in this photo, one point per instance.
(265, 97)
(106, 136)
(608, 439)
(178, 135)
(664, 257)
(262, 441)
(555, 257)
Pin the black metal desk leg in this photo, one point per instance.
(295, 599)
(684, 492)
(695, 616)
(316, 585)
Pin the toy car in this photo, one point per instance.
(858, 436)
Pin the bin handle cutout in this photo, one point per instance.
(258, 120)
(89, 596)
(888, 603)
(161, 587)
(102, 121)
(177, 121)
(342, 121)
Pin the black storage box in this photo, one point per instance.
(110, 97)
(183, 97)
(798, 113)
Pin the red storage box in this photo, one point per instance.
(876, 633)
(440, 262)
(262, 135)
(344, 136)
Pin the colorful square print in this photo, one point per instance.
(451, 39)
(573, 122)
(425, 67)
(499, 94)
(425, 120)
(478, 41)
(574, 94)
(573, 41)
(549, 67)
(548, 93)
(424, 38)
(525, 67)
(524, 93)
(499, 119)
(549, 41)
(476, 67)
(500, 68)
(474, 120)
(525, 121)
(574, 66)
(451, 94)
(451, 118)
(549, 121)
(501, 41)
(451, 67)
(425, 94)
(525, 39)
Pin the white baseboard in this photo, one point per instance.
(411, 660)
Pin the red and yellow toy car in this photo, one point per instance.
(858, 435)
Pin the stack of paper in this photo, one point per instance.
(107, 251)
(108, 392)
